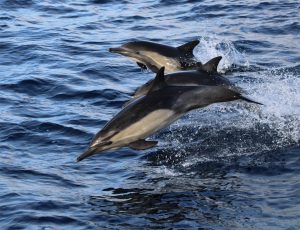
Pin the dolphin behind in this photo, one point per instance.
(154, 55)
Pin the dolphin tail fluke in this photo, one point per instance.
(249, 100)
(92, 151)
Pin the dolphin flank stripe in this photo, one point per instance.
(148, 124)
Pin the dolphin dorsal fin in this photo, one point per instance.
(188, 47)
(159, 80)
(212, 65)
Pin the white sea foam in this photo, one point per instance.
(210, 47)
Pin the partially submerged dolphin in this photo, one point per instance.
(154, 55)
(162, 105)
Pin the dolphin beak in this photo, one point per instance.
(118, 50)
(86, 154)
(95, 149)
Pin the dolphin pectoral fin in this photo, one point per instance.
(188, 47)
(142, 144)
(212, 65)
(94, 150)
(153, 68)
(141, 65)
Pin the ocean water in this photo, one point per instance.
(228, 166)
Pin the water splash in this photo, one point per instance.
(212, 46)
(279, 91)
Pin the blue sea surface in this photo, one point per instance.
(228, 166)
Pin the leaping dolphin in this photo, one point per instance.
(162, 105)
(154, 56)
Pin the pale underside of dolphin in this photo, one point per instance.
(154, 55)
(162, 105)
